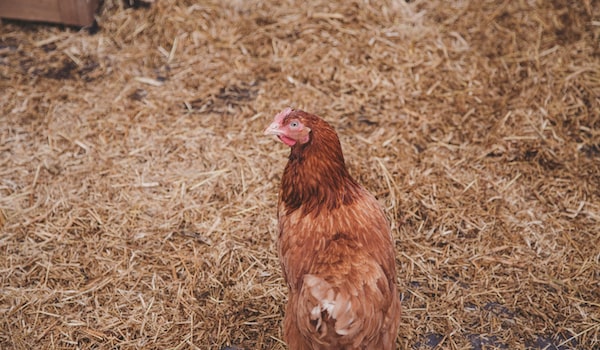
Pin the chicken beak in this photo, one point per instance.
(273, 129)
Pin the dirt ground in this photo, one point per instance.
(137, 192)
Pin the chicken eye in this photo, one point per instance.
(294, 124)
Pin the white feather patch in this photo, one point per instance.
(337, 306)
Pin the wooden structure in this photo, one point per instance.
(70, 12)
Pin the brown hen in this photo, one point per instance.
(335, 245)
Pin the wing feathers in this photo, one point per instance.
(340, 310)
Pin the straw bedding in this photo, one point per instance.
(137, 193)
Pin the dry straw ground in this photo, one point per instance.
(137, 193)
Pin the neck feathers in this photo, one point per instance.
(315, 176)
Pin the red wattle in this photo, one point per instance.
(288, 141)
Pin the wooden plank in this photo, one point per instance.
(78, 12)
(71, 12)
